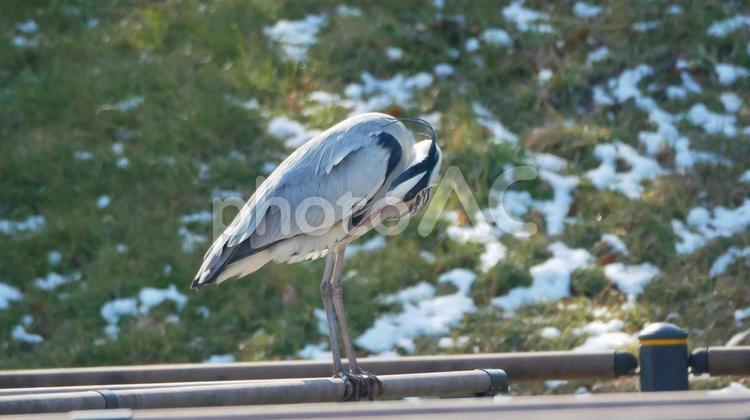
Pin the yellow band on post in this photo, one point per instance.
(664, 342)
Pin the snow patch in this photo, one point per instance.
(220, 358)
(199, 217)
(32, 224)
(497, 130)
(603, 336)
(732, 103)
(372, 244)
(315, 352)
(430, 316)
(103, 201)
(344, 10)
(394, 53)
(702, 226)
(251, 104)
(385, 92)
(599, 327)
(497, 37)
(113, 310)
(605, 342)
(125, 105)
(296, 36)
(629, 182)
(556, 210)
(728, 73)
(54, 280)
(8, 294)
(597, 55)
(291, 132)
(544, 76)
(151, 297)
(54, 257)
(549, 333)
(20, 335)
(631, 279)
(28, 27)
(731, 389)
(551, 279)
(722, 28)
(586, 10)
(148, 297)
(726, 259)
(472, 44)
(741, 314)
(712, 122)
(443, 70)
(493, 253)
(646, 26)
(82, 155)
(526, 19)
(615, 243)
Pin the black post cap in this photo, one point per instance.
(662, 330)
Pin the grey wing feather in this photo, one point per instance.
(345, 158)
(302, 174)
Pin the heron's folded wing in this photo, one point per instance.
(315, 203)
(339, 170)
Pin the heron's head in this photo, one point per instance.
(415, 182)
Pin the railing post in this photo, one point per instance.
(663, 358)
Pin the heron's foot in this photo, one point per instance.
(370, 385)
(361, 384)
(350, 385)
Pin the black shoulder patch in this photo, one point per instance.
(388, 142)
(422, 166)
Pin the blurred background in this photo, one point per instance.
(121, 122)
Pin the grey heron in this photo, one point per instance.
(322, 197)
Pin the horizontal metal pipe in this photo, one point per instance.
(113, 387)
(462, 383)
(535, 366)
(718, 361)
(656, 405)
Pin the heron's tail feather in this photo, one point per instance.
(234, 269)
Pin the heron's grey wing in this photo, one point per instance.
(315, 201)
(354, 158)
(313, 162)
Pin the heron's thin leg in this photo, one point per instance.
(338, 303)
(368, 384)
(326, 291)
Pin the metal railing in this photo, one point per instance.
(521, 367)
(664, 365)
(281, 391)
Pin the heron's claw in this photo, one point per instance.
(360, 385)
(373, 387)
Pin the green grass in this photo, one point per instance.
(183, 57)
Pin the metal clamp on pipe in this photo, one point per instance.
(498, 382)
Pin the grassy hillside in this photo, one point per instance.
(121, 121)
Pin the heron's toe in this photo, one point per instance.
(353, 386)
(372, 386)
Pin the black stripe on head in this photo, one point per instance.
(425, 167)
(389, 143)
